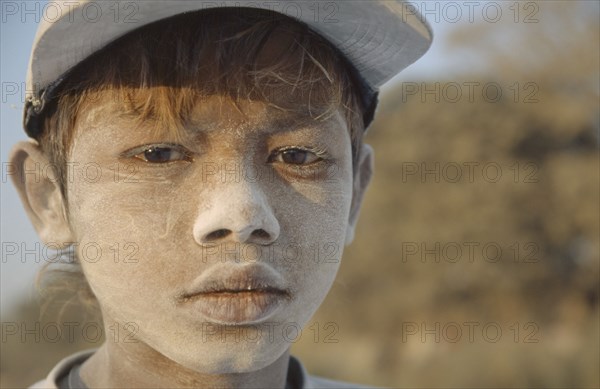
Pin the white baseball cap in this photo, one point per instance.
(378, 37)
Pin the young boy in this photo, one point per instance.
(207, 170)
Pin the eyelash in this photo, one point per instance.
(133, 153)
(320, 153)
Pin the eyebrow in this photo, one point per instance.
(291, 123)
(276, 125)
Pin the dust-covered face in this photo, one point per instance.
(213, 248)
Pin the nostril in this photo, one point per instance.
(260, 233)
(218, 234)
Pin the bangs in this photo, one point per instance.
(159, 72)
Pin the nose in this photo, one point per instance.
(236, 211)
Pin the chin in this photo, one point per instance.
(230, 350)
(229, 357)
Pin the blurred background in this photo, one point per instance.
(476, 259)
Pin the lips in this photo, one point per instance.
(236, 294)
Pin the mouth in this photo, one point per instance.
(236, 295)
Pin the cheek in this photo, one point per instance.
(114, 203)
(126, 239)
(319, 211)
(318, 228)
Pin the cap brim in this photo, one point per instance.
(380, 38)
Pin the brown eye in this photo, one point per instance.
(296, 156)
(162, 154)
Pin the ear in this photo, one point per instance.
(37, 183)
(362, 179)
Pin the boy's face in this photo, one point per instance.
(251, 207)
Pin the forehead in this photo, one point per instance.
(211, 114)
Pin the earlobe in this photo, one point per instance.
(363, 176)
(37, 183)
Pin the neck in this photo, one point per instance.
(139, 365)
